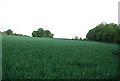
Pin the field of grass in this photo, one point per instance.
(47, 58)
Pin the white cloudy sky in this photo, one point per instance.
(64, 18)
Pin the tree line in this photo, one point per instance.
(105, 33)
(39, 33)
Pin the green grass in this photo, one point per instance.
(47, 58)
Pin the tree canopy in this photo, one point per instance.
(9, 32)
(104, 33)
(42, 33)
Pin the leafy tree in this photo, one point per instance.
(80, 38)
(84, 39)
(105, 33)
(51, 35)
(34, 34)
(9, 32)
(76, 37)
(42, 33)
(47, 33)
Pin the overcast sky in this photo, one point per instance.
(64, 18)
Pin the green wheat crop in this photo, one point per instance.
(47, 58)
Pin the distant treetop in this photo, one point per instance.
(42, 33)
(9, 32)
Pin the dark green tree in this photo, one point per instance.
(105, 33)
(34, 34)
(9, 32)
(47, 33)
(51, 35)
(80, 38)
(42, 33)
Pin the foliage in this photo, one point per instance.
(34, 34)
(9, 32)
(80, 38)
(42, 33)
(76, 37)
(84, 39)
(45, 58)
(105, 33)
